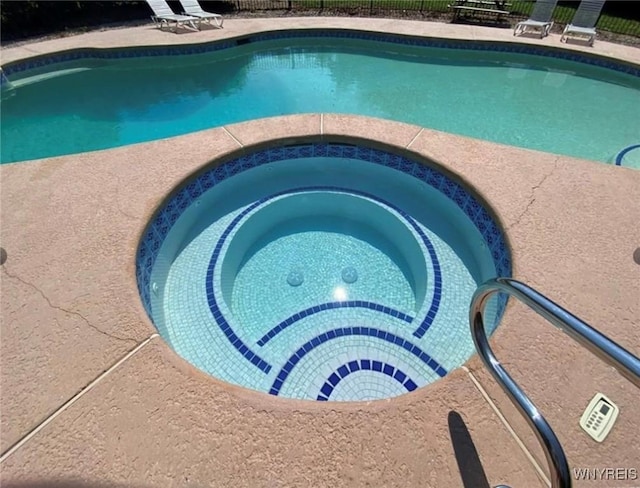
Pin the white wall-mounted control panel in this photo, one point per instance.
(599, 417)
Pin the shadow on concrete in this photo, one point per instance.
(467, 458)
(469, 465)
(577, 41)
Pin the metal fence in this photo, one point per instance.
(23, 19)
(621, 17)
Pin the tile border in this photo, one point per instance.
(352, 331)
(331, 306)
(40, 61)
(363, 365)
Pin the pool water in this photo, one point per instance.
(318, 257)
(301, 279)
(319, 249)
(529, 101)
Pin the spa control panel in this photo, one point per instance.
(599, 417)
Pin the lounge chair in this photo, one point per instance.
(193, 8)
(540, 19)
(584, 21)
(163, 15)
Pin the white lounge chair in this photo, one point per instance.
(163, 15)
(540, 19)
(193, 8)
(584, 21)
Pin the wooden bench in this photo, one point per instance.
(468, 6)
(495, 4)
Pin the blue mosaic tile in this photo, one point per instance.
(93, 53)
(351, 331)
(320, 150)
(290, 152)
(306, 151)
(378, 157)
(395, 161)
(220, 173)
(410, 385)
(400, 376)
(334, 151)
(235, 341)
(364, 365)
(437, 290)
(460, 196)
(419, 171)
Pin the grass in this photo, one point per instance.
(564, 13)
(619, 20)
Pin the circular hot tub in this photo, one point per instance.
(327, 272)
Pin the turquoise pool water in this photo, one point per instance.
(523, 100)
(301, 279)
(317, 248)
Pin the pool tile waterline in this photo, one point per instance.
(137, 52)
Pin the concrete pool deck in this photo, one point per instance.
(92, 397)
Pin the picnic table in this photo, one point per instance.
(496, 8)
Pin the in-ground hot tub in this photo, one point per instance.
(320, 271)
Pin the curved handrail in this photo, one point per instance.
(624, 152)
(599, 344)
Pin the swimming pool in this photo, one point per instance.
(288, 272)
(525, 96)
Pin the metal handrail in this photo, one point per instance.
(4, 81)
(611, 353)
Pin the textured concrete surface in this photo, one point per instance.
(70, 307)
(157, 422)
(70, 310)
(287, 129)
(336, 125)
(584, 265)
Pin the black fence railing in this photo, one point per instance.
(22, 19)
(621, 17)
